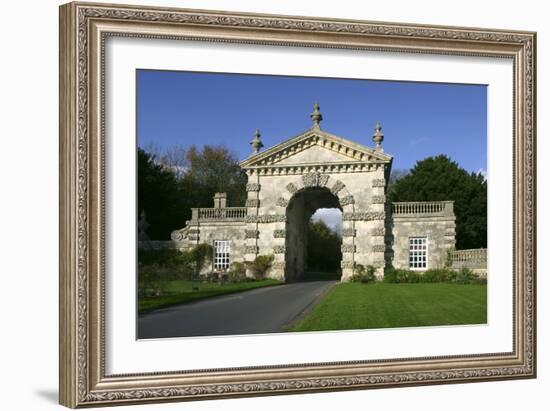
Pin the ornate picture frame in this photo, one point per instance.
(84, 28)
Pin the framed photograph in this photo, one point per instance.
(260, 204)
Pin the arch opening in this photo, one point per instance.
(309, 237)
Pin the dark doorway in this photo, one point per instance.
(301, 229)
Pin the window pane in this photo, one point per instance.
(418, 249)
(221, 254)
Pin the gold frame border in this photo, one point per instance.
(83, 30)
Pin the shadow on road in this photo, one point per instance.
(321, 276)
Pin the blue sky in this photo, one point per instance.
(418, 119)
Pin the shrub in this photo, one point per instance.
(164, 257)
(480, 280)
(157, 267)
(465, 276)
(200, 255)
(390, 276)
(237, 272)
(439, 275)
(150, 280)
(170, 264)
(362, 274)
(402, 276)
(261, 265)
(414, 277)
(396, 275)
(174, 261)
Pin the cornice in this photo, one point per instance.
(323, 167)
(311, 138)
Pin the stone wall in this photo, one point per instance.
(373, 233)
(474, 259)
(234, 231)
(274, 208)
(437, 225)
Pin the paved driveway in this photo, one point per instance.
(263, 310)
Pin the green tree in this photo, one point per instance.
(173, 181)
(215, 169)
(438, 179)
(324, 251)
(159, 195)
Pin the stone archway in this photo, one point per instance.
(301, 207)
(325, 168)
(298, 201)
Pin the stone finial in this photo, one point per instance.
(316, 116)
(378, 137)
(220, 200)
(256, 143)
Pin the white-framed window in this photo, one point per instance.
(418, 253)
(221, 254)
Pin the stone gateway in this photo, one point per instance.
(287, 183)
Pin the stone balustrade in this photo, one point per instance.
(475, 258)
(423, 208)
(225, 213)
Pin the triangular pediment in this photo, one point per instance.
(315, 146)
(315, 153)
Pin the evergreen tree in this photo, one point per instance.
(438, 179)
(159, 196)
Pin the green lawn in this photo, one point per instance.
(181, 291)
(380, 305)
